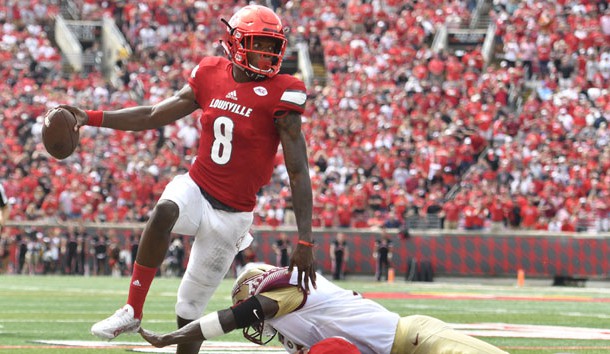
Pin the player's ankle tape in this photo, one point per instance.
(210, 326)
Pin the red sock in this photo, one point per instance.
(141, 278)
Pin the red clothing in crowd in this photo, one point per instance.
(452, 211)
(474, 218)
(568, 226)
(497, 211)
(529, 216)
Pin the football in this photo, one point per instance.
(58, 134)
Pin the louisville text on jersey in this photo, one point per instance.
(231, 107)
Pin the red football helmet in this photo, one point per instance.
(246, 24)
(333, 345)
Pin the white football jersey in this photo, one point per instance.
(332, 311)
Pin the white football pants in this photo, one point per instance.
(219, 235)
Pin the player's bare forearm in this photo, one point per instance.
(302, 204)
(295, 156)
(140, 118)
(194, 331)
(150, 117)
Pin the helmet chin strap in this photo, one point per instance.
(252, 75)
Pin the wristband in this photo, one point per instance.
(305, 243)
(95, 118)
(248, 312)
(210, 326)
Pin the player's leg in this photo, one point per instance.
(187, 348)
(462, 343)
(419, 334)
(153, 247)
(170, 214)
(339, 268)
(214, 248)
(386, 268)
(378, 268)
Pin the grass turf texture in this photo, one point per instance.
(64, 307)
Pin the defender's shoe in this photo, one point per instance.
(122, 321)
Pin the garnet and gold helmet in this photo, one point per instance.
(245, 287)
(248, 281)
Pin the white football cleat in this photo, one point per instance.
(122, 321)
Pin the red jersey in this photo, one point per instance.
(452, 211)
(238, 140)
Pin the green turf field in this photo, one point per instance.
(64, 307)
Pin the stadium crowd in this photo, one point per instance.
(395, 132)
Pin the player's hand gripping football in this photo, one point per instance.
(81, 116)
(302, 258)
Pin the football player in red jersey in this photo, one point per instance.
(248, 109)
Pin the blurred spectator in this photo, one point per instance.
(4, 208)
(5, 253)
(135, 243)
(497, 213)
(393, 220)
(383, 256)
(173, 263)
(451, 214)
(71, 261)
(339, 255)
(33, 254)
(114, 255)
(4, 240)
(475, 215)
(101, 255)
(569, 225)
(22, 249)
(50, 252)
(529, 215)
(282, 249)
